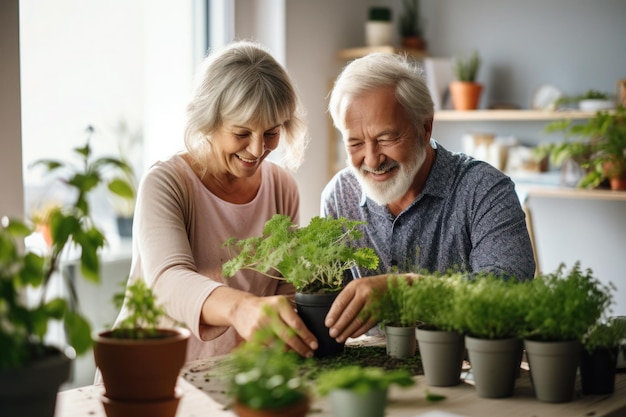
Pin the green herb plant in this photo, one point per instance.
(361, 379)
(144, 314)
(313, 258)
(261, 373)
(431, 299)
(23, 325)
(489, 307)
(588, 95)
(607, 334)
(393, 307)
(564, 305)
(466, 70)
(410, 23)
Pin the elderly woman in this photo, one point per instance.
(222, 186)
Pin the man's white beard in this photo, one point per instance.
(386, 192)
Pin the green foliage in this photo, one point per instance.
(431, 299)
(601, 149)
(467, 70)
(143, 312)
(393, 306)
(261, 373)
(564, 305)
(22, 326)
(608, 334)
(312, 258)
(410, 24)
(490, 307)
(588, 95)
(361, 379)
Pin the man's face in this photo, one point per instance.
(385, 150)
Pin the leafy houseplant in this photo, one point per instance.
(490, 311)
(262, 377)
(601, 151)
(410, 25)
(314, 259)
(598, 361)
(393, 310)
(23, 325)
(441, 347)
(600, 97)
(562, 307)
(139, 361)
(466, 90)
(356, 391)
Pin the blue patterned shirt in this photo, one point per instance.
(467, 218)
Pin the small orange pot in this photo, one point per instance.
(465, 95)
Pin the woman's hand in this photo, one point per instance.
(246, 313)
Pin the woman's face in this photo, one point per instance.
(240, 148)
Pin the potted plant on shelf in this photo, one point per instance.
(598, 362)
(411, 31)
(139, 361)
(601, 151)
(441, 346)
(490, 311)
(31, 370)
(561, 308)
(466, 91)
(591, 100)
(314, 259)
(393, 311)
(263, 378)
(356, 391)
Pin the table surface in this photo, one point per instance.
(203, 395)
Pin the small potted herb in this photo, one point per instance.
(598, 362)
(263, 378)
(410, 27)
(356, 391)
(490, 311)
(31, 370)
(138, 360)
(441, 346)
(393, 310)
(314, 259)
(561, 308)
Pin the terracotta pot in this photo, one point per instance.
(297, 410)
(414, 42)
(616, 173)
(141, 370)
(465, 95)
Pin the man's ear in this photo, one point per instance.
(428, 128)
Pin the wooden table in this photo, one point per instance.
(203, 395)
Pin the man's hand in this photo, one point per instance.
(346, 317)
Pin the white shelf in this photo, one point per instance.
(509, 115)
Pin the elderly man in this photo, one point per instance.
(425, 208)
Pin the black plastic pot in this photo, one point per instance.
(312, 309)
(597, 371)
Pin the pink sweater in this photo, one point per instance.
(178, 233)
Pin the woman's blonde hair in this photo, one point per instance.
(243, 83)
